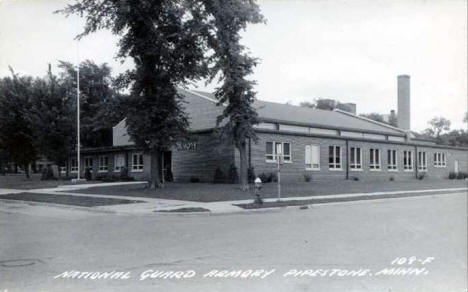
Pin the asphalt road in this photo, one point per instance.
(334, 247)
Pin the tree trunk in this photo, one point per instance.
(155, 170)
(67, 170)
(243, 180)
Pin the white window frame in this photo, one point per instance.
(140, 166)
(86, 164)
(335, 166)
(309, 161)
(408, 155)
(103, 167)
(422, 161)
(440, 159)
(353, 155)
(117, 166)
(274, 155)
(374, 155)
(74, 166)
(393, 158)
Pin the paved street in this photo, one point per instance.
(39, 242)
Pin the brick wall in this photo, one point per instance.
(296, 170)
(202, 161)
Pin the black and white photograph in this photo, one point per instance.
(234, 145)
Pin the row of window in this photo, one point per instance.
(312, 157)
(103, 163)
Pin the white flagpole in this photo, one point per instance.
(78, 104)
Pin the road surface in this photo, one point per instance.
(407, 244)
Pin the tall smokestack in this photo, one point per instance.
(404, 104)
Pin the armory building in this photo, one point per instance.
(317, 143)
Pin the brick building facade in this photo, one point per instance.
(322, 145)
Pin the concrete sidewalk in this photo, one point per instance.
(150, 205)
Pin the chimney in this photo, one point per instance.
(404, 104)
(352, 107)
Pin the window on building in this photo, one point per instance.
(312, 157)
(355, 161)
(74, 165)
(439, 160)
(422, 161)
(119, 162)
(103, 163)
(137, 162)
(407, 160)
(274, 148)
(88, 161)
(334, 157)
(374, 159)
(392, 160)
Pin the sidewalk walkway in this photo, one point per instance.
(157, 205)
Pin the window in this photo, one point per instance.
(119, 162)
(355, 158)
(88, 161)
(74, 165)
(407, 160)
(334, 157)
(137, 162)
(422, 161)
(275, 148)
(312, 157)
(374, 159)
(103, 163)
(439, 160)
(392, 160)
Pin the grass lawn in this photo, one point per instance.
(19, 181)
(206, 192)
(67, 200)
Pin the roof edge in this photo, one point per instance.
(372, 121)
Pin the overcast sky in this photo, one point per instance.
(351, 51)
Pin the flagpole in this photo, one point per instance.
(78, 105)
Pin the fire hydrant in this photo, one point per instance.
(258, 186)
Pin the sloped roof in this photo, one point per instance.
(315, 117)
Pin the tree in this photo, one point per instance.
(16, 131)
(438, 125)
(307, 104)
(164, 40)
(326, 104)
(374, 116)
(52, 117)
(98, 101)
(232, 65)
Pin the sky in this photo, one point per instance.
(351, 51)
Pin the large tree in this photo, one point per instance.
(438, 125)
(164, 40)
(52, 116)
(232, 65)
(98, 100)
(16, 130)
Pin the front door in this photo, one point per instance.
(166, 166)
(455, 166)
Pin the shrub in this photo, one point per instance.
(194, 179)
(421, 176)
(218, 177)
(264, 178)
(307, 177)
(233, 176)
(452, 175)
(87, 174)
(392, 178)
(462, 175)
(355, 178)
(251, 175)
(123, 173)
(272, 177)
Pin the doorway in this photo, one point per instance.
(166, 166)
